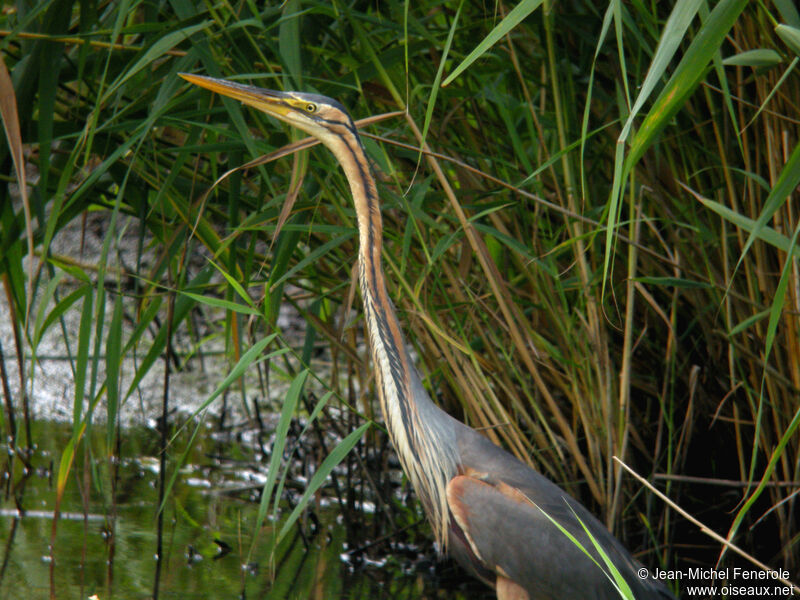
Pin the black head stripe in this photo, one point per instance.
(320, 99)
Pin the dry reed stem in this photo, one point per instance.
(511, 316)
(707, 530)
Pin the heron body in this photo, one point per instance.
(491, 512)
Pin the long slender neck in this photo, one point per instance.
(416, 426)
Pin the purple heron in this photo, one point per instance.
(491, 512)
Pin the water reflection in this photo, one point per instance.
(106, 534)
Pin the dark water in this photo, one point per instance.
(105, 540)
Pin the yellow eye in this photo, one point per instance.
(311, 107)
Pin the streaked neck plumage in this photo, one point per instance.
(420, 432)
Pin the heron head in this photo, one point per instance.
(317, 115)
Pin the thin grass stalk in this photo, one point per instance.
(9, 421)
(600, 369)
(163, 447)
(624, 403)
(20, 356)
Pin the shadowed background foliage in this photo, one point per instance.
(595, 256)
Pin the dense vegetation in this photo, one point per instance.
(595, 256)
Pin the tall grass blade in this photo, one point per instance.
(336, 456)
(289, 43)
(671, 37)
(113, 372)
(511, 20)
(787, 182)
(607, 17)
(183, 305)
(613, 573)
(776, 310)
(10, 118)
(252, 356)
(689, 73)
(437, 79)
(222, 303)
(786, 75)
(238, 370)
(775, 456)
(153, 53)
(45, 300)
(82, 356)
(765, 234)
(276, 455)
(312, 257)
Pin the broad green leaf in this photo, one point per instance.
(674, 33)
(222, 303)
(790, 36)
(760, 57)
(687, 76)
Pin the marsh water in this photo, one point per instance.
(362, 535)
(105, 539)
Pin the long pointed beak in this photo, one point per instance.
(269, 101)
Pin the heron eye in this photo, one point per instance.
(311, 108)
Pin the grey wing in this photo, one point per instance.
(504, 512)
(513, 538)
